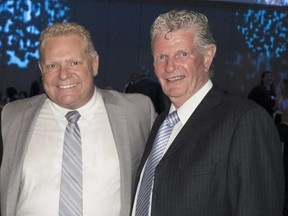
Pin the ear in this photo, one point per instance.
(95, 64)
(209, 56)
(40, 66)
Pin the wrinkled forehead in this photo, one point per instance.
(187, 35)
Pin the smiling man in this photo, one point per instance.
(87, 167)
(211, 154)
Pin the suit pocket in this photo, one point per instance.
(188, 189)
(167, 171)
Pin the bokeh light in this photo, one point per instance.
(21, 24)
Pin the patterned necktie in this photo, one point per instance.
(71, 203)
(164, 132)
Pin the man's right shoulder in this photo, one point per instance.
(20, 105)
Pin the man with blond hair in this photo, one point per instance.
(73, 150)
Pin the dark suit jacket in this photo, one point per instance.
(226, 161)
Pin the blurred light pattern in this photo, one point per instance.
(260, 2)
(273, 2)
(265, 31)
(21, 24)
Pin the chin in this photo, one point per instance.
(70, 106)
(68, 100)
(175, 93)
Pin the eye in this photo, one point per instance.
(160, 57)
(75, 63)
(181, 54)
(184, 54)
(50, 66)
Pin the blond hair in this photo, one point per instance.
(65, 29)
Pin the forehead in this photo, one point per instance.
(64, 45)
(181, 38)
(67, 46)
(71, 40)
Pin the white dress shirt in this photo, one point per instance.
(40, 182)
(184, 112)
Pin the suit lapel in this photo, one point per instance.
(189, 130)
(27, 124)
(117, 121)
(197, 120)
(119, 126)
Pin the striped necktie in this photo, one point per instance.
(71, 203)
(162, 137)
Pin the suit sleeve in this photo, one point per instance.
(255, 167)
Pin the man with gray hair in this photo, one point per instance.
(211, 154)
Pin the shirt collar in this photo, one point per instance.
(185, 111)
(86, 111)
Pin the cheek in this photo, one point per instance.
(158, 69)
(84, 74)
(48, 74)
(157, 74)
(196, 68)
(47, 79)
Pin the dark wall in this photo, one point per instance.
(120, 30)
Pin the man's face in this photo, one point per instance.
(268, 79)
(180, 68)
(68, 71)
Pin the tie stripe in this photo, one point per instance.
(159, 145)
(71, 191)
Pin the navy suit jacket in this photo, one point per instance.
(225, 161)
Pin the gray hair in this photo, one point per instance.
(176, 20)
(65, 29)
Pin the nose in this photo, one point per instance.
(170, 65)
(64, 73)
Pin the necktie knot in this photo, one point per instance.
(172, 118)
(73, 116)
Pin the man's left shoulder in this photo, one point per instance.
(244, 108)
(231, 101)
(238, 101)
(127, 97)
(129, 101)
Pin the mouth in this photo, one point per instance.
(176, 78)
(67, 86)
